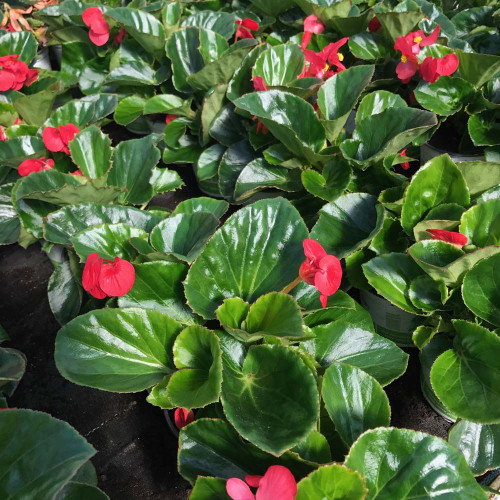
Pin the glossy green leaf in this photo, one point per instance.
(211, 107)
(12, 368)
(129, 352)
(163, 179)
(481, 223)
(484, 128)
(314, 448)
(325, 9)
(477, 68)
(376, 102)
(420, 466)
(355, 401)
(184, 235)
(209, 488)
(158, 286)
(480, 444)
(227, 126)
(129, 109)
(255, 398)
(279, 65)
(44, 455)
(91, 151)
(338, 96)
(399, 23)
(260, 246)
(334, 482)
(481, 289)
(34, 109)
(202, 204)
(23, 43)
(466, 377)
(391, 238)
(219, 22)
(480, 176)
(348, 224)
(108, 240)
(18, 149)
(211, 447)
(369, 46)
(428, 294)
(331, 182)
(65, 223)
(391, 275)
(79, 491)
(9, 221)
(438, 181)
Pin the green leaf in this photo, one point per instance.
(202, 204)
(391, 238)
(211, 107)
(91, 151)
(129, 352)
(79, 491)
(9, 221)
(338, 96)
(444, 97)
(22, 43)
(421, 466)
(44, 455)
(480, 176)
(355, 401)
(163, 179)
(197, 355)
(209, 488)
(18, 149)
(255, 398)
(334, 482)
(129, 109)
(484, 128)
(12, 368)
(34, 109)
(438, 181)
(376, 102)
(348, 224)
(136, 73)
(168, 103)
(260, 246)
(65, 223)
(158, 286)
(369, 46)
(108, 240)
(279, 65)
(211, 447)
(481, 289)
(349, 337)
(480, 444)
(428, 294)
(391, 275)
(314, 448)
(477, 68)
(219, 22)
(481, 223)
(331, 182)
(398, 24)
(466, 377)
(184, 235)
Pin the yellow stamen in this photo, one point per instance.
(340, 56)
(404, 59)
(417, 39)
(327, 67)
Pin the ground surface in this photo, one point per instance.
(136, 456)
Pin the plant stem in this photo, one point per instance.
(292, 285)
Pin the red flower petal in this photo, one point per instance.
(258, 83)
(183, 417)
(77, 172)
(68, 132)
(374, 25)
(278, 483)
(117, 278)
(238, 489)
(327, 279)
(313, 250)
(98, 39)
(91, 15)
(170, 118)
(447, 65)
(403, 45)
(312, 25)
(31, 76)
(307, 271)
(52, 139)
(119, 38)
(27, 167)
(456, 239)
(3, 137)
(405, 70)
(250, 24)
(306, 38)
(7, 80)
(90, 276)
(253, 481)
(431, 39)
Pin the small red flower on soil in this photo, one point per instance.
(27, 167)
(456, 239)
(57, 139)
(105, 278)
(99, 27)
(311, 25)
(321, 270)
(183, 417)
(14, 73)
(245, 28)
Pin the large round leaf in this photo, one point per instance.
(202, 204)
(466, 378)
(158, 286)
(39, 454)
(331, 182)
(332, 482)
(354, 400)
(481, 223)
(404, 464)
(279, 65)
(376, 102)
(481, 289)
(348, 223)
(256, 397)
(438, 181)
(258, 250)
(480, 444)
(120, 350)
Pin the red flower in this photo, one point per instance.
(119, 38)
(320, 62)
(456, 239)
(374, 25)
(14, 73)
(258, 83)
(407, 68)
(103, 278)
(3, 137)
(321, 270)
(77, 172)
(27, 167)
(182, 417)
(170, 118)
(411, 43)
(334, 57)
(99, 27)
(405, 165)
(245, 28)
(18, 121)
(277, 483)
(434, 67)
(311, 25)
(57, 139)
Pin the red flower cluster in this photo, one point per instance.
(432, 67)
(245, 28)
(321, 270)
(27, 167)
(183, 417)
(104, 278)
(277, 483)
(320, 62)
(57, 139)
(311, 25)
(99, 27)
(14, 73)
(456, 239)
